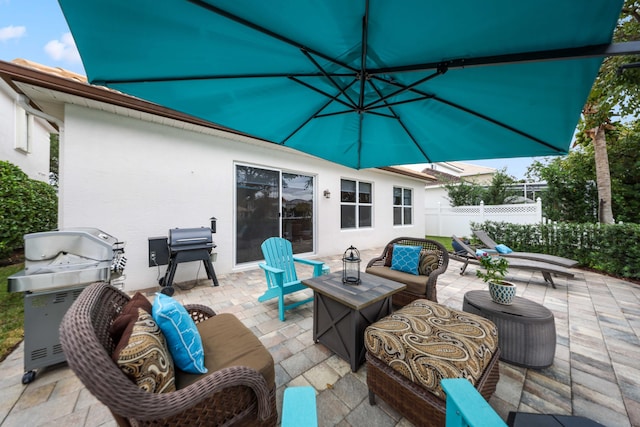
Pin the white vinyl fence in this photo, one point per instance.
(445, 220)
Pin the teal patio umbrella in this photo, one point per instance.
(363, 83)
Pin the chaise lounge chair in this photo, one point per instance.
(468, 256)
(534, 256)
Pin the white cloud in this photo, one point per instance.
(11, 32)
(64, 49)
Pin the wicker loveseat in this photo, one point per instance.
(418, 286)
(238, 389)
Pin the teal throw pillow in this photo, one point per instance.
(503, 249)
(406, 258)
(181, 333)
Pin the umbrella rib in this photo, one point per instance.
(331, 97)
(472, 112)
(399, 119)
(582, 52)
(265, 31)
(333, 82)
(212, 77)
(363, 57)
(335, 113)
(404, 88)
(406, 101)
(361, 117)
(313, 116)
(496, 122)
(377, 113)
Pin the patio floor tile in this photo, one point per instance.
(595, 371)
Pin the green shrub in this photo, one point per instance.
(26, 206)
(610, 248)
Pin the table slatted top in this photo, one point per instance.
(370, 290)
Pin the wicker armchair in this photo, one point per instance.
(422, 286)
(233, 395)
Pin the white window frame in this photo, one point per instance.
(402, 206)
(357, 204)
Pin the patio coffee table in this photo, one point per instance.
(342, 312)
(526, 329)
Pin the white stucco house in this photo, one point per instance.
(24, 137)
(135, 170)
(435, 193)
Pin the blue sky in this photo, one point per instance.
(36, 30)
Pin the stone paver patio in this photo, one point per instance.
(595, 371)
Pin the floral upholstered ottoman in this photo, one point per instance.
(411, 350)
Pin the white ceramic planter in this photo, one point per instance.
(503, 292)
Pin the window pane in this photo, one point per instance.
(407, 197)
(397, 196)
(297, 211)
(407, 216)
(348, 191)
(347, 216)
(397, 216)
(258, 204)
(365, 216)
(365, 193)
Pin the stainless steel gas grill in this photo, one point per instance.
(188, 244)
(58, 266)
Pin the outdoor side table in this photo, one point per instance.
(526, 329)
(342, 312)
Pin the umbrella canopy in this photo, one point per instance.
(363, 83)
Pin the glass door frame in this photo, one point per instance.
(281, 215)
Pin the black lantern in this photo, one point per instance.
(351, 266)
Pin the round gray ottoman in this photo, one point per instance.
(526, 329)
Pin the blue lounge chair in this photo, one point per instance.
(534, 256)
(468, 256)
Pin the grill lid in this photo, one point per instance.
(183, 239)
(68, 257)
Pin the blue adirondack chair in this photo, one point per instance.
(280, 270)
(466, 407)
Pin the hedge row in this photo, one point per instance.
(26, 206)
(612, 249)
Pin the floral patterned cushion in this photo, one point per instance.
(429, 260)
(143, 356)
(426, 342)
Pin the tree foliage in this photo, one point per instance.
(614, 95)
(616, 91)
(467, 193)
(624, 160)
(26, 206)
(54, 159)
(464, 193)
(571, 193)
(498, 193)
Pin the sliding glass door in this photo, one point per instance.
(297, 211)
(271, 203)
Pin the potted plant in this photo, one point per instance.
(495, 268)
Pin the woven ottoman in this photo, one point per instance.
(411, 350)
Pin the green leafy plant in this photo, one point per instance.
(26, 206)
(495, 268)
(610, 248)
